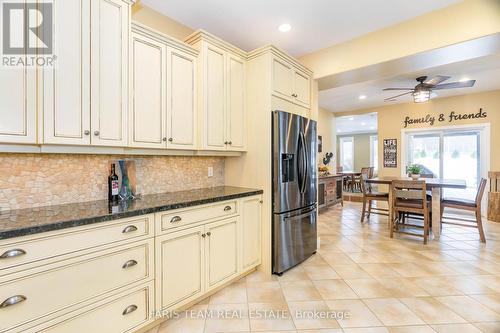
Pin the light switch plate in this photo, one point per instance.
(210, 171)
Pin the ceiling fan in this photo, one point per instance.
(422, 91)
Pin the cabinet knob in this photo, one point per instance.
(227, 208)
(294, 95)
(225, 142)
(86, 132)
(230, 142)
(175, 219)
(13, 301)
(129, 309)
(209, 233)
(164, 139)
(96, 133)
(203, 235)
(12, 253)
(170, 139)
(261, 201)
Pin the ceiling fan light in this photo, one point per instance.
(421, 96)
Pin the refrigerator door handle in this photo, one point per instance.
(301, 216)
(305, 170)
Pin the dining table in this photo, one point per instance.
(435, 185)
(351, 175)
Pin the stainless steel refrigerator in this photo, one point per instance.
(294, 230)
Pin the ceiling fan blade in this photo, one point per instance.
(453, 85)
(394, 97)
(386, 89)
(436, 80)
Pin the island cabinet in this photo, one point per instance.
(330, 191)
(163, 91)
(116, 276)
(85, 94)
(222, 86)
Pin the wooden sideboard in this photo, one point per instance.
(330, 191)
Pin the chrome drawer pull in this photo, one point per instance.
(227, 208)
(175, 219)
(13, 301)
(130, 228)
(12, 253)
(129, 264)
(129, 309)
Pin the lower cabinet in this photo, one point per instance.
(251, 210)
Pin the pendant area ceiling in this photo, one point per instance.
(315, 24)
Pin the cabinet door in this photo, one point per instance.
(302, 88)
(236, 117)
(179, 267)
(181, 99)
(110, 43)
(214, 101)
(282, 79)
(251, 231)
(66, 86)
(221, 246)
(18, 105)
(148, 106)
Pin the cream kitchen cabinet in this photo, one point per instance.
(91, 45)
(222, 101)
(163, 92)
(18, 105)
(291, 83)
(251, 211)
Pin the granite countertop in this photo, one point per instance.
(329, 176)
(21, 222)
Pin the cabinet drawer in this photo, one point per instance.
(39, 292)
(185, 217)
(53, 244)
(125, 313)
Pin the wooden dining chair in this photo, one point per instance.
(356, 181)
(467, 205)
(410, 197)
(368, 197)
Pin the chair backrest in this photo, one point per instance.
(426, 175)
(372, 173)
(365, 187)
(365, 171)
(340, 168)
(410, 190)
(480, 191)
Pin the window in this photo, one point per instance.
(347, 153)
(374, 152)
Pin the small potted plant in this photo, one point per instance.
(414, 171)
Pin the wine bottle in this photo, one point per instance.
(113, 187)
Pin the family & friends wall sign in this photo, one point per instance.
(451, 117)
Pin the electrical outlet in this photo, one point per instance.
(210, 171)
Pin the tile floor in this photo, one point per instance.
(382, 284)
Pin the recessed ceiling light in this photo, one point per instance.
(351, 118)
(464, 79)
(285, 27)
(363, 124)
(339, 131)
(362, 97)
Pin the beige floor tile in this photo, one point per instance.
(188, 322)
(436, 286)
(380, 271)
(270, 317)
(468, 285)
(234, 293)
(403, 287)
(295, 274)
(334, 258)
(259, 276)
(307, 315)
(227, 318)
(489, 327)
(368, 288)
(264, 292)
(392, 312)
(432, 311)
(353, 271)
(411, 329)
(491, 301)
(323, 330)
(334, 289)
(469, 309)
(359, 315)
(320, 272)
(366, 330)
(454, 328)
(300, 291)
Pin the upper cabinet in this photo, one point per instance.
(85, 95)
(222, 103)
(163, 91)
(290, 82)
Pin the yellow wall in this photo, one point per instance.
(326, 128)
(160, 22)
(361, 150)
(391, 119)
(464, 21)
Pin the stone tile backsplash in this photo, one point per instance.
(34, 180)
